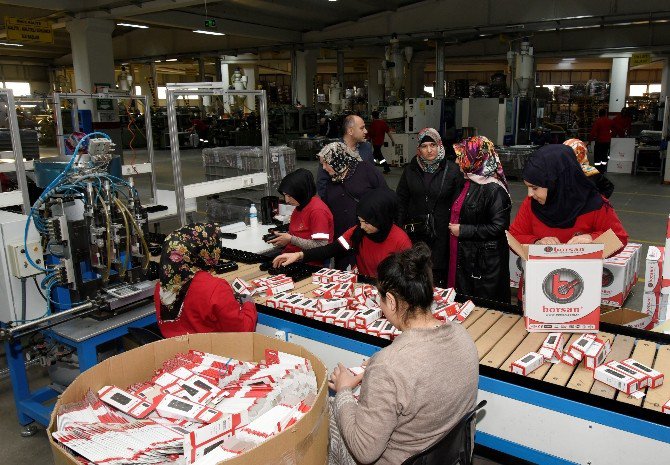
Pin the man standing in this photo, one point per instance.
(378, 130)
(354, 138)
(601, 133)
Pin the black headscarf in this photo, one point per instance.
(299, 185)
(570, 193)
(379, 208)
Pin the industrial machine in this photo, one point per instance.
(83, 245)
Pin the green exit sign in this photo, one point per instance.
(210, 23)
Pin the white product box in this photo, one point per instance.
(527, 364)
(581, 345)
(666, 407)
(134, 406)
(618, 166)
(445, 295)
(465, 310)
(616, 281)
(654, 269)
(273, 289)
(616, 379)
(242, 287)
(655, 377)
(595, 355)
(666, 272)
(641, 378)
(563, 283)
(366, 317)
(516, 268)
(552, 347)
(621, 149)
(329, 304)
(206, 438)
(183, 409)
(376, 326)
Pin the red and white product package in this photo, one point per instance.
(447, 295)
(242, 287)
(202, 440)
(654, 270)
(366, 317)
(329, 304)
(345, 277)
(344, 318)
(271, 301)
(183, 409)
(569, 359)
(616, 281)
(318, 275)
(516, 267)
(527, 364)
(665, 286)
(616, 379)
(641, 378)
(666, 407)
(580, 346)
(276, 288)
(343, 290)
(655, 377)
(376, 327)
(198, 390)
(267, 425)
(464, 311)
(325, 290)
(552, 347)
(329, 316)
(387, 331)
(595, 355)
(134, 406)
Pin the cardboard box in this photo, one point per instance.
(618, 278)
(621, 149)
(516, 267)
(619, 166)
(654, 269)
(306, 440)
(628, 317)
(563, 284)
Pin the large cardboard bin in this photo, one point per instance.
(305, 443)
(563, 284)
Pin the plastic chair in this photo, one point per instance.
(454, 448)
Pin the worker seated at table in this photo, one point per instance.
(415, 390)
(188, 298)
(311, 221)
(374, 239)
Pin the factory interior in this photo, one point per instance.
(122, 121)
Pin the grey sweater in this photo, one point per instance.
(413, 392)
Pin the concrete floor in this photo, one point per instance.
(642, 203)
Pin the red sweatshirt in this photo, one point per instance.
(209, 307)
(528, 229)
(602, 130)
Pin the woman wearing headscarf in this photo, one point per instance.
(604, 185)
(563, 206)
(480, 215)
(351, 179)
(188, 298)
(311, 221)
(427, 187)
(371, 241)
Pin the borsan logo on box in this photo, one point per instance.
(563, 286)
(608, 277)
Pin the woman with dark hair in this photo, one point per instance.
(374, 239)
(411, 393)
(425, 193)
(563, 206)
(479, 254)
(311, 222)
(351, 179)
(604, 185)
(188, 298)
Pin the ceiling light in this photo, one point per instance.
(171, 59)
(157, 61)
(332, 0)
(8, 44)
(211, 33)
(139, 26)
(568, 59)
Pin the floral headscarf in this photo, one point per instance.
(581, 152)
(479, 161)
(342, 159)
(186, 251)
(432, 165)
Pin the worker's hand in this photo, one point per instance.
(342, 378)
(549, 241)
(281, 239)
(242, 299)
(286, 259)
(454, 229)
(581, 239)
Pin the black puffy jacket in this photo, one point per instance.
(414, 200)
(483, 253)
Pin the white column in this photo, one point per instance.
(92, 54)
(618, 84)
(305, 70)
(251, 72)
(665, 80)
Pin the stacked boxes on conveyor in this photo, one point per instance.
(620, 275)
(656, 300)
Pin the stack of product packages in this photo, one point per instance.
(656, 302)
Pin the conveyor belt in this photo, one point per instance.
(501, 338)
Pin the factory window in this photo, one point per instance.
(654, 88)
(638, 90)
(20, 89)
(138, 90)
(429, 90)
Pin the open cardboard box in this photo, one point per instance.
(563, 285)
(628, 317)
(304, 443)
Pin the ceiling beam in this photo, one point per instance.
(153, 6)
(54, 5)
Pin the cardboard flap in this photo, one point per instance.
(520, 249)
(610, 241)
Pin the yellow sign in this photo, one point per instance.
(638, 59)
(29, 30)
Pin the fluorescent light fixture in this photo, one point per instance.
(9, 44)
(139, 26)
(332, 0)
(157, 61)
(171, 59)
(211, 33)
(568, 59)
(27, 105)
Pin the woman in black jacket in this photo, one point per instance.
(427, 185)
(480, 215)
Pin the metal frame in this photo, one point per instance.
(15, 137)
(126, 169)
(219, 186)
